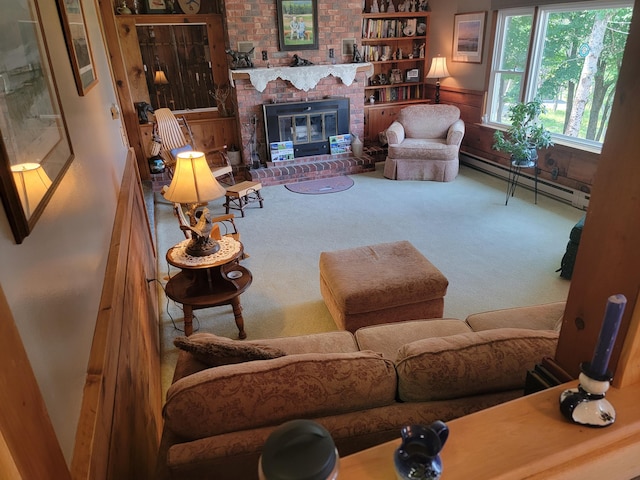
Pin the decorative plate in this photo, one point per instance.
(189, 6)
(422, 28)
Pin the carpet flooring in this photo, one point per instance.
(321, 186)
(495, 256)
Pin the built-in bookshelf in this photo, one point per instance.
(395, 40)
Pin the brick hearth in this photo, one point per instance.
(312, 168)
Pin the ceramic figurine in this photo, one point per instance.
(374, 7)
(123, 9)
(417, 458)
(391, 8)
(357, 56)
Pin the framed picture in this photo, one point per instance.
(281, 151)
(159, 6)
(298, 24)
(468, 36)
(340, 143)
(35, 149)
(75, 34)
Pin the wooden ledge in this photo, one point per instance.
(526, 438)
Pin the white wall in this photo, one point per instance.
(463, 75)
(53, 280)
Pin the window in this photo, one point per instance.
(569, 56)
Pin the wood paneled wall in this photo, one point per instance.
(120, 420)
(560, 164)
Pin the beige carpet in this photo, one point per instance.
(495, 256)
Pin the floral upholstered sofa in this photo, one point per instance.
(362, 387)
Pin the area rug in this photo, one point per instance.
(323, 185)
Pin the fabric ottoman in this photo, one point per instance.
(383, 283)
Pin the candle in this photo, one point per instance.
(608, 333)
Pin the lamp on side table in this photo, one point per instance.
(194, 184)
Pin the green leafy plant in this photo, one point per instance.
(526, 134)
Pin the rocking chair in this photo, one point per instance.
(173, 132)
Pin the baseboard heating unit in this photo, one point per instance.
(565, 194)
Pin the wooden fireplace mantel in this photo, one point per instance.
(304, 77)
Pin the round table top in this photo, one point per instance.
(230, 249)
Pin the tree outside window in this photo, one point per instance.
(573, 66)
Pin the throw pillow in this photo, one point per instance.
(176, 151)
(214, 351)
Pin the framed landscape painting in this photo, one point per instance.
(468, 35)
(298, 24)
(75, 34)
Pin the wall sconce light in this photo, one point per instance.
(438, 70)
(32, 183)
(194, 184)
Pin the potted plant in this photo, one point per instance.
(525, 135)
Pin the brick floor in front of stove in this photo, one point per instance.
(280, 173)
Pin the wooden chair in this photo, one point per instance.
(176, 135)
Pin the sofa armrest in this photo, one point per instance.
(455, 133)
(395, 133)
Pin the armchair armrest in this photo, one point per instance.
(455, 133)
(395, 133)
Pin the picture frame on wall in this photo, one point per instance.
(77, 40)
(158, 6)
(468, 37)
(35, 148)
(298, 24)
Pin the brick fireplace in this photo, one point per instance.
(255, 22)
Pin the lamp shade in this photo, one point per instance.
(32, 183)
(438, 68)
(160, 78)
(193, 181)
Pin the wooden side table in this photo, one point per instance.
(210, 281)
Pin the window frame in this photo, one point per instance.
(528, 88)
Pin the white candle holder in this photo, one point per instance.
(586, 405)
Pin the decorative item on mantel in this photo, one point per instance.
(299, 61)
(357, 57)
(586, 404)
(240, 59)
(418, 456)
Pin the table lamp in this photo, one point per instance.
(194, 184)
(32, 183)
(438, 70)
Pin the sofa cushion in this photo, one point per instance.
(339, 341)
(546, 316)
(214, 351)
(428, 121)
(389, 337)
(470, 363)
(423, 149)
(268, 392)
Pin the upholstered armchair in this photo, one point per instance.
(424, 142)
